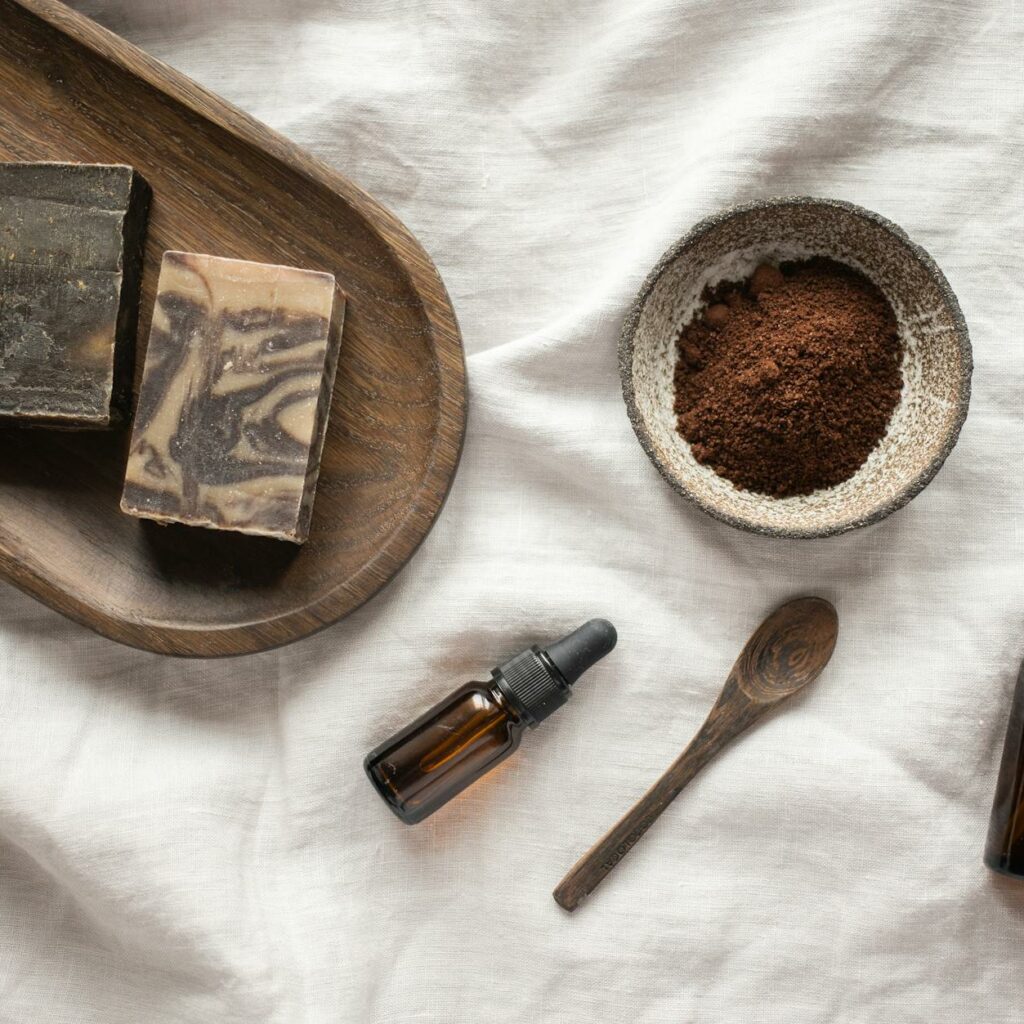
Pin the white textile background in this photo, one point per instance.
(196, 842)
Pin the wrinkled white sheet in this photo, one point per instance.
(195, 842)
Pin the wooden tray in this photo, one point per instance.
(227, 185)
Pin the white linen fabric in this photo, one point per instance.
(195, 841)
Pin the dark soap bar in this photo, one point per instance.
(71, 241)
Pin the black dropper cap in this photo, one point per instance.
(538, 681)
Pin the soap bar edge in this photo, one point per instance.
(323, 411)
(126, 337)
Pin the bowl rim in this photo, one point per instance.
(701, 228)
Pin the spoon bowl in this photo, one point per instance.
(788, 650)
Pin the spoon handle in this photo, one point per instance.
(726, 721)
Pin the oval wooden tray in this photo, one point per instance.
(227, 185)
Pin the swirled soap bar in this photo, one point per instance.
(235, 396)
(70, 262)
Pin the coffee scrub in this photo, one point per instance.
(786, 381)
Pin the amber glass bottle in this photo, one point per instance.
(475, 728)
(1004, 851)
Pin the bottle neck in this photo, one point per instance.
(508, 704)
(532, 685)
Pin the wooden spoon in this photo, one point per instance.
(786, 652)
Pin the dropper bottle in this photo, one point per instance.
(463, 737)
(1004, 849)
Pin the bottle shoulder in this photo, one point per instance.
(488, 693)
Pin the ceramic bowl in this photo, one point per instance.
(937, 359)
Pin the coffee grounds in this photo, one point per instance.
(787, 380)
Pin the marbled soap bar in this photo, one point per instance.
(235, 396)
(70, 263)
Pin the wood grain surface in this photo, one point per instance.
(787, 652)
(226, 185)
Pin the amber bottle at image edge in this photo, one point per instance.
(475, 728)
(1004, 851)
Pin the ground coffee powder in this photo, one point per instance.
(787, 381)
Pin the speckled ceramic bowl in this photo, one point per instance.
(936, 365)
